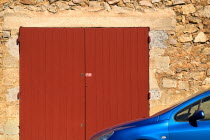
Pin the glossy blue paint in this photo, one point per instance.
(162, 126)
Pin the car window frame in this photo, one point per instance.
(200, 100)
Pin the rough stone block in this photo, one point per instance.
(188, 9)
(12, 47)
(206, 81)
(12, 111)
(184, 85)
(12, 126)
(208, 72)
(205, 12)
(28, 1)
(160, 63)
(185, 38)
(10, 61)
(169, 83)
(10, 76)
(201, 37)
(199, 76)
(145, 3)
(6, 34)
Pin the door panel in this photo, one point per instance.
(52, 90)
(58, 101)
(118, 89)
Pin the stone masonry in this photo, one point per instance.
(179, 47)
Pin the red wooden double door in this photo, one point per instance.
(75, 82)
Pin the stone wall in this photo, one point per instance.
(179, 48)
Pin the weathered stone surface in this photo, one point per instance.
(12, 47)
(206, 81)
(113, 1)
(177, 2)
(155, 1)
(190, 28)
(155, 94)
(172, 41)
(126, 1)
(10, 76)
(10, 61)
(188, 9)
(12, 111)
(158, 39)
(52, 8)
(199, 76)
(3, 1)
(208, 72)
(12, 137)
(63, 5)
(77, 1)
(94, 6)
(208, 1)
(11, 126)
(161, 63)
(6, 34)
(184, 85)
(206, 51)
(152, 79)
(169, 83)
(205, 12)
(12, 94)
(107, 7)
(185, 38)
(145, 3)
(71, 18)
(201, 37)
(28, 1)
(51, 1)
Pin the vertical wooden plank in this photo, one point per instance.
(118, 59)
(52, 103)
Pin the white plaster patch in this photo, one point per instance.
(12, 94)
(155, 94)
(12, 47)
(158, 39)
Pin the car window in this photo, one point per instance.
(188, 111)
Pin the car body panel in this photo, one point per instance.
(162, 126)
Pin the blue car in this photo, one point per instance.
(189, 120)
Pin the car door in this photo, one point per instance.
(181, 129)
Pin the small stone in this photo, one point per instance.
(160, 63)
(205, 12)
(155, 1)
(32, 8)
(52, 8)
(201, 37)
(107, 7)
(169, 83)
(183, 85)
(94, 4)
(172, 41)
(113, 1)
(208, 72)
(188, 9)
(28, 1)
(178, 2)
(78, 1)
(63, 5)
(145, 3)
(6, 34)
(190, 28)
(206, 81)
(194, 20)
(206, 51)
(71, 3)
(185, 38)
(126, 1)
